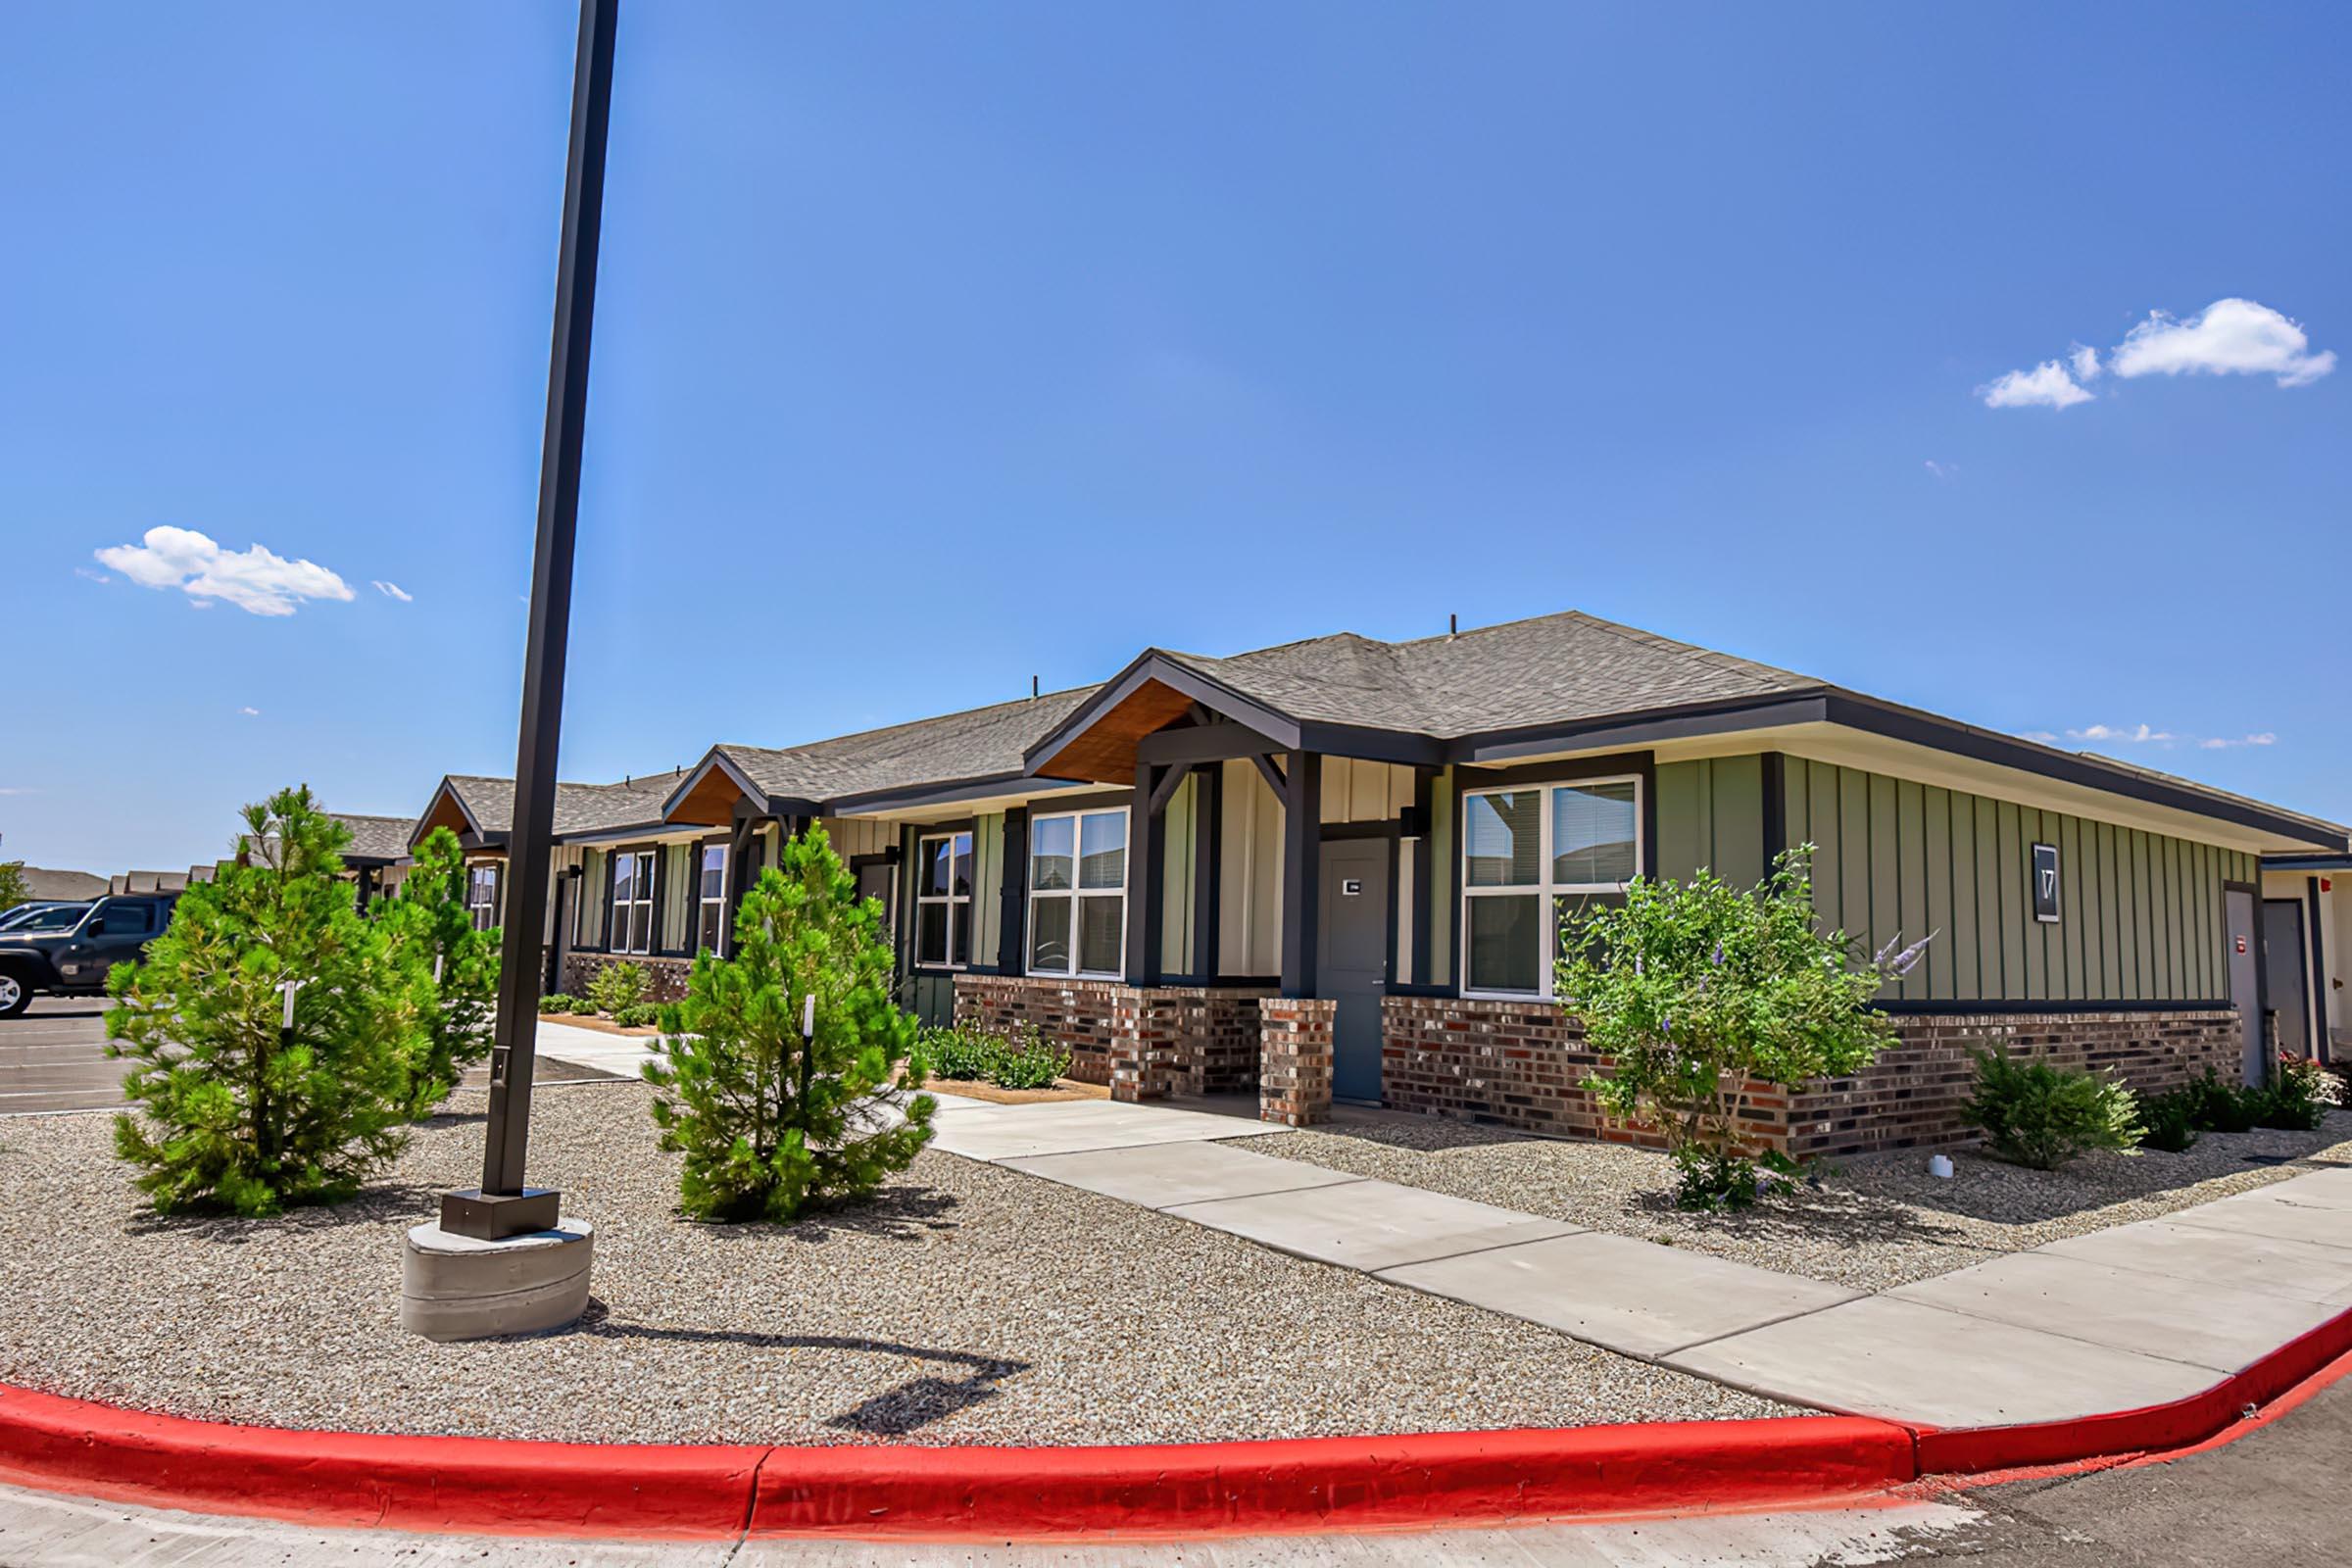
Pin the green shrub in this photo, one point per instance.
(617, 986)
(769, 1123)
(234, 1110)
(2296, 1099)
(1030, 1061)
(1693, 990)
(961, 1051)
(556, 1004)
(638, 1016)
(2221, 1107)
(2168, 1122)
(429, 925)
(583, 1006)
(2035, 1114)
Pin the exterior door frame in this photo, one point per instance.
(2309, 1045)
(1348, 832)
(2253, 894)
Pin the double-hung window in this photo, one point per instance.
(632, 924)
(1527, 854)
(1078, 892)
(711, 898)
(943, 900)
(481, 895)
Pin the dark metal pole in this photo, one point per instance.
(503, 1206)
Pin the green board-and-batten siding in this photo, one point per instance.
(2140, 912)
(1711, 813)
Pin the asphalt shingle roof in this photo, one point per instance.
(979, 743)
(579, 808)
(1549, 671)
(376, 838)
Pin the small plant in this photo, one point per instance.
(2296, 1101)
(638, 1016)
(556, 1006)
(1691, 990)
(771, 1123)
(961, 1051)
(1030, 1061)
(583, 1006)
(617, 986)
(2041, 1116)
(2168, 1122)
(2223, 1108)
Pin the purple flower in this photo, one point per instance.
(1718, 954)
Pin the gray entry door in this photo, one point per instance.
(2243, 951)
(1352, 960)
(2285, 981)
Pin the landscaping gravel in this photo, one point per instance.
(969, 1305)
(1874, 1222)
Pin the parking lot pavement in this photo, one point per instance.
(53, 1059)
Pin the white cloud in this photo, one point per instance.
(2229, 337)
(2084, 361)
(393, 589)
(2045, 386)
(254, 580)
(250, 713)
(2150, 735)
(94, 576)
(2137, 734)
(16, 789)
(1943, 471)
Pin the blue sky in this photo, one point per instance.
(941, 346)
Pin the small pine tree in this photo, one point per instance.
(430, 925)
(769, 1127)
(229, 1114)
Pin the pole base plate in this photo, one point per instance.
(495, 1217)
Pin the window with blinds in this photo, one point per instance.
(1526, 853)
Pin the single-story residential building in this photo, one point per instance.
(1331, 869)
(377, 854)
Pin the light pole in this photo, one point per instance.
(503, 1233)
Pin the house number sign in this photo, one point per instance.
(2046, 883)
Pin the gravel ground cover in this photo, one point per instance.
(970, 1304)
(1871, 1223)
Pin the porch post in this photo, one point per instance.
(1147, 843)
(1301, 871)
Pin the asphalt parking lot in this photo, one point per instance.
(53, 1059)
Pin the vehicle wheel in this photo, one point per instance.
(15, 996)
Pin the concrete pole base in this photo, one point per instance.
(458, 1287)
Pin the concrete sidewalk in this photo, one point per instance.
(2122, 1318)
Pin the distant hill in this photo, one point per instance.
(45, 884)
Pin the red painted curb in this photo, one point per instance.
(619, 1490)
(1452, 1478)
(2156, 1428)
(393, 1483)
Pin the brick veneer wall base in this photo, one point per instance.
(1522, 1065)
(1294, 1059)
(1076, 1012)
(664, 978)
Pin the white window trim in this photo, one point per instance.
(951, 898)
(1544, 888)
(645, 865)
(704, 901)
(1073, 892)
(474, 909)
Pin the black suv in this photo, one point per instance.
(75, 961)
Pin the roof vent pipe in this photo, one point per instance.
(1453, 626)
(1033, 688)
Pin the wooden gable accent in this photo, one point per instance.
(711, 803)
(443, 812)
(1104, 751)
